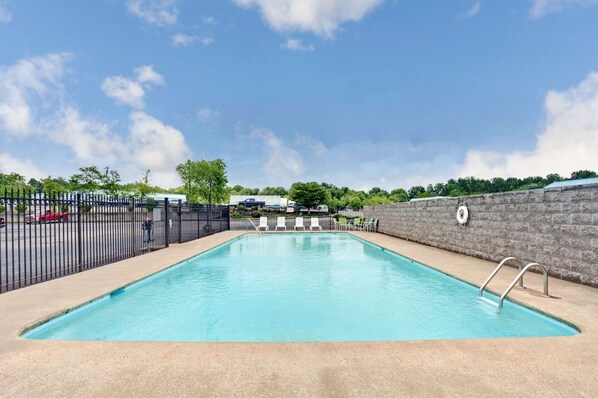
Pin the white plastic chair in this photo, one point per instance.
(263, 224)
(299, 223)
(281, 223)
(315, 224)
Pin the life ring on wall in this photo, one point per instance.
(462, 214)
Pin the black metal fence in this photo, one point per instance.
(46, 236)
(243, 224)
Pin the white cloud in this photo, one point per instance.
(543, 7)
(568, 142)
(297, 45)
(316, 146)
(155, 12)
(156, 146)
(282, 163)
(92, 141)
(10, 164)
(208, 115)
(132, 92)
(321, 17)
(208, 20)
(124, 91)
(147, 74)
(23, 84)
(206, 41)
(5, 15)
(182, 39)
(474, 9)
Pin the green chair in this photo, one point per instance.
(358, 223)
(342, 223)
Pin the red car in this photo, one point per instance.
(48, 216)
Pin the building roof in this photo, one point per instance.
(430, 198)
(572, 183)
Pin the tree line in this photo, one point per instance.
(207, 181)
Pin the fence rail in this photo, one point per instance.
(47, 236)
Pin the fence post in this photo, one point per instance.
(180, 211)
(166, 223)
(79, 234)
(133, 235)
(228, 219)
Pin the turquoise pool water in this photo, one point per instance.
(297, 287)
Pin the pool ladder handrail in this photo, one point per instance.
(519, 277)
(255, 226)
(498, 267)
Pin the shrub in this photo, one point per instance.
(241, 208)
(85, 207)
(256, 214)
(2, 209)
(21, 209)
(150, 204)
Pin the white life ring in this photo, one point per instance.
(462, 214)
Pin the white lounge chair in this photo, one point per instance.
(281, 223)
(315, 224)
(263, 224)
(299, 223)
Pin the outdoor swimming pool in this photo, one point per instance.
(297, 287)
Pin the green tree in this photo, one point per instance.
(280, 191)
(12, 181)
(210, 180)
(142, 188)
(54, 185)
(416, 191)
(36, 185)
(579, 174)
(110, 182)
(87, 180)
(188, 173)
(399, 195)
(308, 194)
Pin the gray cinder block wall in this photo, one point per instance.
(554, 227)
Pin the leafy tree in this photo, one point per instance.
(399, 195)
(87, 180)
(36, 186)
(110, 182)
(280, 191)
(308, 194)
(187, 173)
(416, 191)
(91, 180)
(377, 192)
(142, 188)
(54, 185)
(579, 174)
(210, 180)
(12, 181)
(550, 178)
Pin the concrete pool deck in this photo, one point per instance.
(546, 366)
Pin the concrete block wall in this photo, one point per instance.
(554, 227)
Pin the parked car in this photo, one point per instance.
(47, 216)
(2, 222)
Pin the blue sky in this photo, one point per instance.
(358, 93)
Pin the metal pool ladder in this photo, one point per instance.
(518, 278)
(255, 226)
